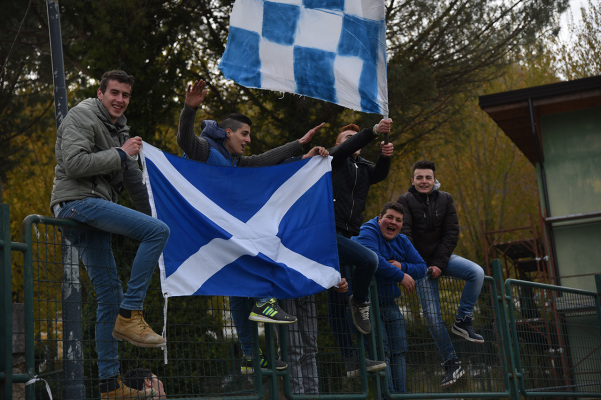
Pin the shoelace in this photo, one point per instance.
(142, 324)
(364, 310)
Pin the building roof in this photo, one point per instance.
(510, 110)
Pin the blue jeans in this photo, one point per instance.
(427, 290)
(240, 308)
(365, 262)
(340, 321)
(394, 337)
(94, 248)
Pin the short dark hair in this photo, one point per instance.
(135, 378)
(115, 75)
(424, 164)
(234, 121)
(392, 205)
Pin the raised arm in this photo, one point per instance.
(195, 147)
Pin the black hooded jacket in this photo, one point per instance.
(351, 178)
(431, 223)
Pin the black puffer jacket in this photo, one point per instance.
(351, 178)
(431, 223)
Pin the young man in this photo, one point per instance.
(399, 262)
(352, 176)
(224, 145)
(143, 379)
(95, 160)
(432, 226)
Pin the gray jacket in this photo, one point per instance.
(87, 161)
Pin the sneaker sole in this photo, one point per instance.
(376, 368)
(250, 371)
(465, 335)
(260, 318)
(373, 368)
(456, 375)
(363, 331)
(119, 336)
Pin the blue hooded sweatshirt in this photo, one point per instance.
(399, 249)
(215, 135)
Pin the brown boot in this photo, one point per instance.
(136, 331)
(115, 389)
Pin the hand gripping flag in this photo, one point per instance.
(333, 50)
(254, 232)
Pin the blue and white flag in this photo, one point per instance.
(333, 50)
(254, 232)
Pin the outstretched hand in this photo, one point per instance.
(195, 94)
(309, 135)
(317, 151)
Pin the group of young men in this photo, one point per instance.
(97, 159)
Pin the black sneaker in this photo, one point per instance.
(271, 312)
(353, 367)
(246, 366)
(453, 371)
(360, 313)
(463, 327)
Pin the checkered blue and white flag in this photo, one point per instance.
(254, 232)
(333, 50)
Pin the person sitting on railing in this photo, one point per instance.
(95, 160)
(352, 176)
(398, 262)
(432, 226)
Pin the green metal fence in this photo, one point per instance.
(556, 339)
(540, 340)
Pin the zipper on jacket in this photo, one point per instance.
(352, 196)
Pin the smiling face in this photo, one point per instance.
(236, 141)
(115, 98)
(390, 223)
(423, 180)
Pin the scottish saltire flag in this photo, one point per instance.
(333, 50)
(253, 232)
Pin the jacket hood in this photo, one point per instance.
(215, 135)
(436, 187)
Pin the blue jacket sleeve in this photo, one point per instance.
(370, 237)
(414, 264)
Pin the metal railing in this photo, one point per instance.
(540, 340)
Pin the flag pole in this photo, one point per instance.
(386, 134)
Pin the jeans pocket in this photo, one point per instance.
(75, 210)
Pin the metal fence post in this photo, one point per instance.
(72, 324)
(507, 343)
(6, 381)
